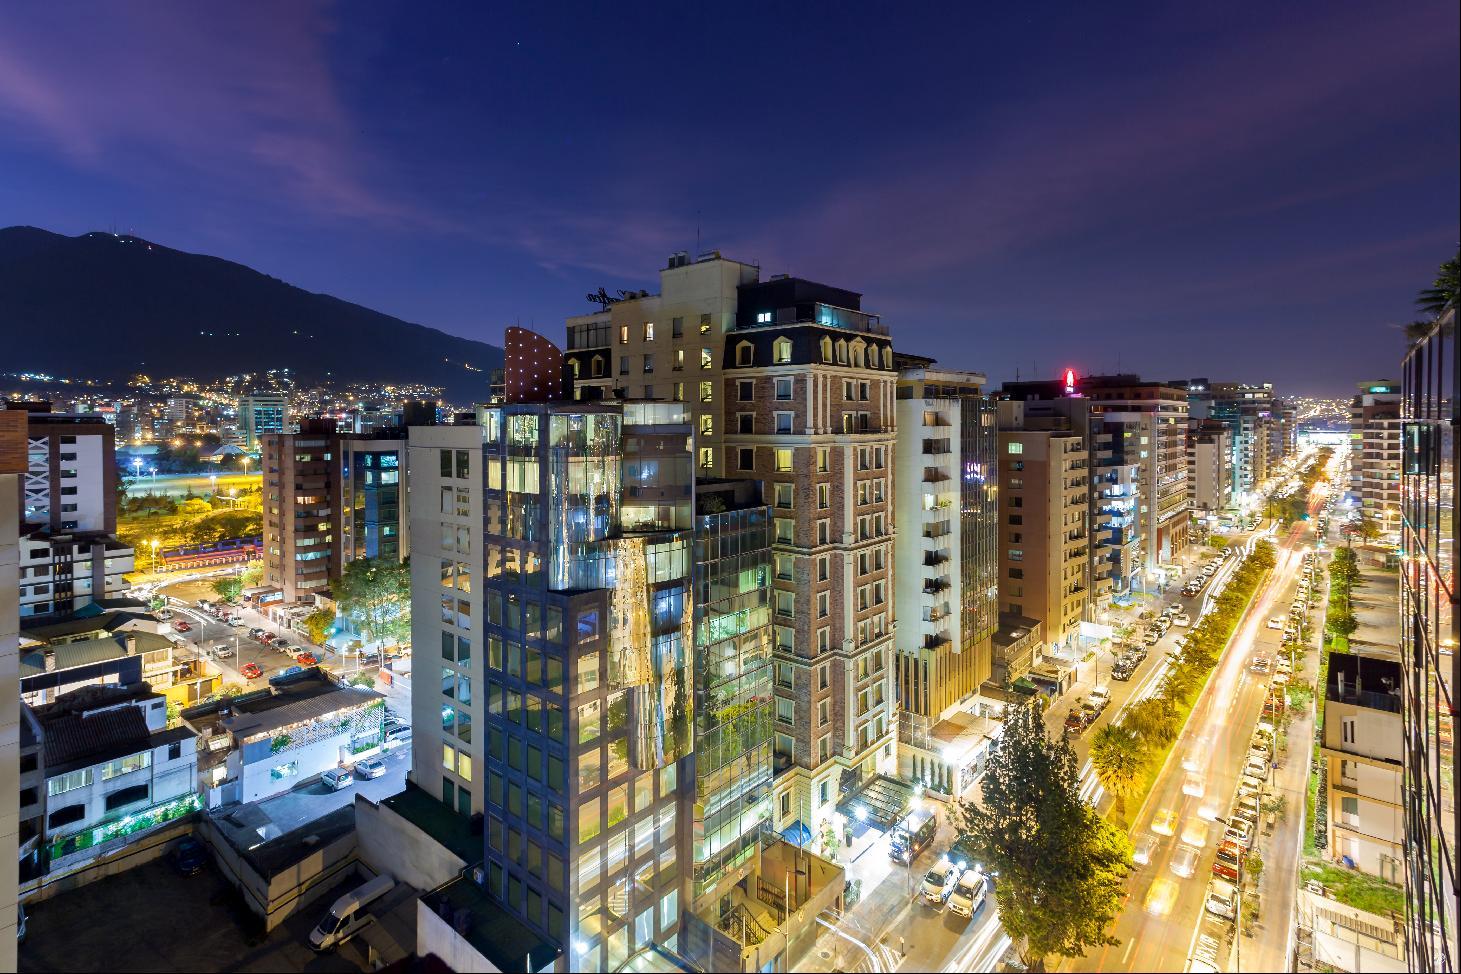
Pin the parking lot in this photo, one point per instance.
(152, 919)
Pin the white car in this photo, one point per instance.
(370, 768)
(1222, 899)
(337, 778)
(1193, 785)
(1145, 848)
(1276, 623)
(939, 882)
(968, 894)
(1181, 619)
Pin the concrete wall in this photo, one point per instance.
(278, 897)
(391, 844)
(130, 855)
(256, 779)
(435, 936)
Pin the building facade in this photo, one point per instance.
(1374, 453)
(1044, 514)
(582, 658)
(666, 346)
(261, 414)
(944, 503)
(300, 510)
(1362, 753)
(372, 495)
(808, 392)
(1430, 631)
(1209, 467)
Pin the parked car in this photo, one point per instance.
(307, 659)
(337, 778)
(370, 768)
(968, 894)
(1239, 831)
(251, 671)
(1259, 664)
(1182, 619)
(938, 882)
(189, 856)
(1222, 899)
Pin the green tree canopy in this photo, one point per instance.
(1061, 866)
(252, 575)
(228, 588)
(375, 595)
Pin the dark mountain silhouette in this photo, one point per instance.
(105, 306)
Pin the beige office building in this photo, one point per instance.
(667, 346)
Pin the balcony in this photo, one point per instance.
(931, 558)
(936, 640)
(933, 586)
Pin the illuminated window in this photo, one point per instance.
(623, 334)
(707, 359)
(707, 458)
(705, 324)
(1015, 448)
(763, 317)
(707, 425)
(781, 351)
(826, 349)
(783, 460)
(649, 331)
(707, 392)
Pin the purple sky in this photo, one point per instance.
(1247, 191)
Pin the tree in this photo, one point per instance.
(195, 507)
(318, 625)
(375, 595)
(228, 588)
(252, 575)
(1154, 720)
(1060, 865)
(1118, 755)
(1441, 295)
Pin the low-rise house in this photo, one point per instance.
(1363, 751)
(111, 771)
(261, 744)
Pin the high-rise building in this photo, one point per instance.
(261, 413)
(372, 495)
(13, 466)
(1430, 629)
(68, 511)
(733, 683)
(1209, 466)
(808, 395)
(1044, 515)
(667, 346)
(331, 497)
(1137, 435)
(301, 552)
(1374, 454)
(945, 592)
(560, 594)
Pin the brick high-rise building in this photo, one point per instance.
(301, 480)
(13, 465)
(808, 394)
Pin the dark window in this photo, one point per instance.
(127, 796)
(67, 815)
(174, 751)
(446, 463)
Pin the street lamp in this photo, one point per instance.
(136, 466)
(213, 483)
(154, 542)
(153, 471)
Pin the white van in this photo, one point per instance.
(348, 916)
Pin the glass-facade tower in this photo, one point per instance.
(588, 674)
(1430, 630)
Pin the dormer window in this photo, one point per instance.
(781, 351)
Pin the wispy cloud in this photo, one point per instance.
(241, 97)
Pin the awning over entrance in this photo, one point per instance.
(797, 833)
(883, 801)
(1025, 687)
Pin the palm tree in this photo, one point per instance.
(1117, 755)
(1441, 295)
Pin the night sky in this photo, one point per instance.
(1241, 191)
